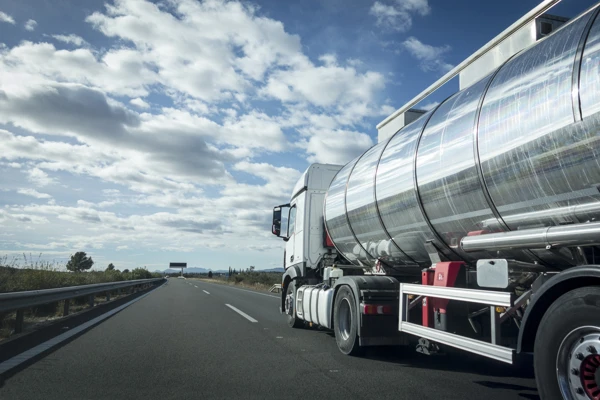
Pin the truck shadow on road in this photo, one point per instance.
(456, 361)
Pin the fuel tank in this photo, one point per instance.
(517, 150)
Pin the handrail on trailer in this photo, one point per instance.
(487, 297)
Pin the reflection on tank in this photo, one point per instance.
(510, 152)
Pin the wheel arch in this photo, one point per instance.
(550, 291)
(288, 276)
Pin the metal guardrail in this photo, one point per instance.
(276, 287)
(20, 301)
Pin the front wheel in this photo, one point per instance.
(290, 306)
(346, 322)
(567, 346)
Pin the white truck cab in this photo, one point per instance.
(300, 222)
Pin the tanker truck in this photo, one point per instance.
(475, 227)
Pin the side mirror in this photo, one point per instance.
(276, 225)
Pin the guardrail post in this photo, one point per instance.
(66, 308)
(118, 291)
(108, 296)
(91, 300)
(19, 321)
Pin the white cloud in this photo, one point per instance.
(119, 72)
(398, 14)
(4, 17)
(81, 119)
(21, 218)
(253, 130)
(30, 25)
(280, 177)
(10, 164)
(39, 177)
(71, 39)
(430, 57)
(334, 146)
(138, 102)
(430, 106)
(323, 86)
(34, 193)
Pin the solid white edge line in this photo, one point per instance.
(243, 314)
(40, 348)
(205, 291)
(244, 290)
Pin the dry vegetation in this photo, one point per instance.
(27, 273)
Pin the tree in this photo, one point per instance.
(209, 274)
(141, 273)
(125, 271)
(111, 267)
(80, 262)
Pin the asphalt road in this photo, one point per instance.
(183, 342)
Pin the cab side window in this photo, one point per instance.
(292, 221)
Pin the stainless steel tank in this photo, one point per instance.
(517, 150)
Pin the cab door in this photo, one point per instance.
(291, 236)
(295, 246)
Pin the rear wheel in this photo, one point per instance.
(290, 306)
(567, 347)
(346, 322)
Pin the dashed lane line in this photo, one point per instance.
(243, 314)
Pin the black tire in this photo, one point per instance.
(345, 322)
(292, 320)
(575, 309)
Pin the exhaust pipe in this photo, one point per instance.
(586, 234)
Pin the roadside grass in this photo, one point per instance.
(27, 273)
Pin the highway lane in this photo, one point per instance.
(183, 341)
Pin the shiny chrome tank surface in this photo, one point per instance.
(517, 150)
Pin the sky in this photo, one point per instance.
(145, 132)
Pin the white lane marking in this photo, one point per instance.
(40, 348)
(244, 290)
(195, 286)
(243, 314)
(205, 291)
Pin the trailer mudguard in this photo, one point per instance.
(567, 280)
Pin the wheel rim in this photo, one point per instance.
(345, 319)
(578, 364)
